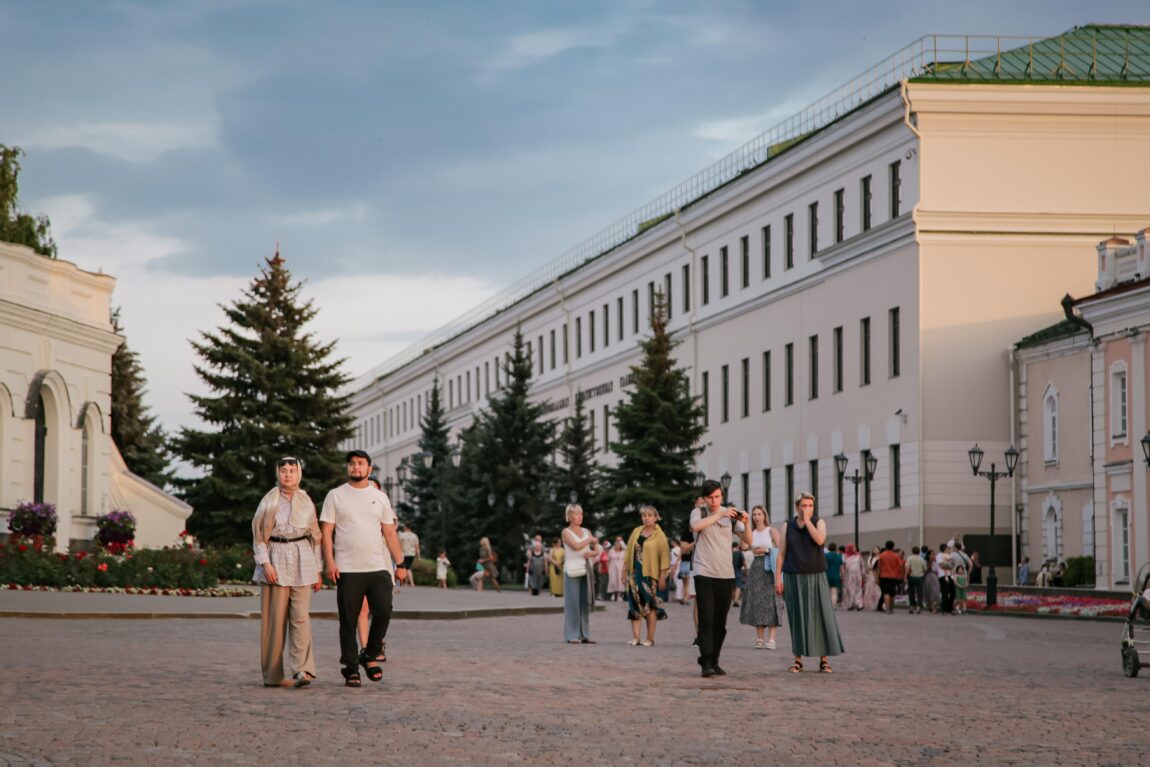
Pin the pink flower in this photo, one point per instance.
(102, 567)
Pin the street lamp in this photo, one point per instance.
(573, 497)
(1146, 448)
(491, 500)
(871, 465)
(975, 454)
(700, 478)
(400, 478)
(725, 481)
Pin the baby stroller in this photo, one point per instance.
(1136, 632)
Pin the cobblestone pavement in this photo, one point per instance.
(911, 690)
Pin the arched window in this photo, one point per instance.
(41, 446)
(1050, 424)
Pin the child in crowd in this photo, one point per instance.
(960, 583)
(477, 577)
(441, 565)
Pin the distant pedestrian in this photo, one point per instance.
(891, 571)
(802, 583)
(1024, 571)
(286, 545)
(872, 594)
(975, 569)
(960, 584)
(944, 566)
(360, 560)
(410, 543)
(441, 565)
(915, 573)
(647, 560)
(556, 568)
(931, 591)
(616, 570)
(761, 605)
(853, 568)
(580, 549)
(490, 561)
(834, 572)
(536, 567)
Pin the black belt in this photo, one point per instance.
(277, 539)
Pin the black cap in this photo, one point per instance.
(358, 454)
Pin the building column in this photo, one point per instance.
(1139, 518)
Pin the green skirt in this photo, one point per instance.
(810, 615)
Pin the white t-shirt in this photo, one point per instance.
(358, 514)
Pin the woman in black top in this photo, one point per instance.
(801, 579)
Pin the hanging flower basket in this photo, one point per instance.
(116, 531)
(33, 519)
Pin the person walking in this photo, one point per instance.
(647, 559)
(536, 567)
(616, 570)
(714, 573)
(490, 561)
(891, 571)
(915, 573)
(853, 578)
(286, 545)
(944, 566)
(760, 606)
(872, 594)
(834, 572)
(409, 541)
(441, 565)
(802, 583)
(580, 550)
(361, 548)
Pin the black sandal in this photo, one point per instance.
(352, 679)
(374, 673)
(825, 666)
(797, 666)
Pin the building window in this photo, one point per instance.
(591, 332)
(591, 429)
(635, 311)
(790, 499)
(789, 363)
(745, 481)
(814, 227)
(746, 376)
(650, 300)
(606, 428)
(578, 337)
(840, 215)
(813, 468)
(895, 476)
(686, 288)
(814, 366)
(479, 394)
(1122, 544)
(1118, 410)
(866, 203)
(864, 351)
(619, 315)
(895, 189)
(745, 260)
(553, 349)
(565, 355)
(451, 392)
(1050, 424)
(706, 385)
(705, 268)
(767, 493)
(789, 241)
(766, 381)
(667, 293)
(540, 350)
(838, 351)
(85, 468)
(766, 252)
(724, 273)
(894, 344)
(487, 367)
(724, 392)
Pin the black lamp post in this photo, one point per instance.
(1146, 448)
(871, 465)
(975, 454)
(725, 481)
(700, 478)
(400, 479)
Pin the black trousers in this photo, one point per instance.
(713, 600)
(946, 586)
(350, 592)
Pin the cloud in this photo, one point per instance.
(129, 141)
(533, 47)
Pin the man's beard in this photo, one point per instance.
(355, 476)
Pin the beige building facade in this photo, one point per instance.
(859, 291)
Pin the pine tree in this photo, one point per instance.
(16, 227)
(142, 442)
(428, 486)
(660, 426)
(505, 454)
(274, 394)
(579, 473)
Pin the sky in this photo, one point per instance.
(410, 159)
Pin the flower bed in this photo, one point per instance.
(1050, 604)
(170, 568)
(152, 591)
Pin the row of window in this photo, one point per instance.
(894, 369)
(893, 465)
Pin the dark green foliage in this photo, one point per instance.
(16, 227)
(579, 473)
(505, 453)
(660, 427)
(273, 394)
(1079, 572)
(427, 486)
(141, 441)
(146, 568)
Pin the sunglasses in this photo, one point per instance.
(288, 461)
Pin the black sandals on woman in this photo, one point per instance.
(797, 666)
(825, 666)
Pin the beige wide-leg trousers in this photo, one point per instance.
(284, 616)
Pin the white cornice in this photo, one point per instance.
(61, 328)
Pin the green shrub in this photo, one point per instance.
(1079, 571)
(232, 563)
(161, 568)
(423, 571)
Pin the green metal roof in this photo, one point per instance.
(1063, 329)
(1094, 54)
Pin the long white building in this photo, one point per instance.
(850, 281)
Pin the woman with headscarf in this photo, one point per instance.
(616, 565)
(289, 564)
(648, 563)
(852, 578)
(536, 568)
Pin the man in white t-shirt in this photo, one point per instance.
(410, 543)
(360, 550)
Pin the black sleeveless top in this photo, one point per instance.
(803, 554)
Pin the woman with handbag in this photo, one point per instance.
(580, 549)
(489, 559)
(761, 606)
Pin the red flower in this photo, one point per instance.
(102, 567)
(22, 547)
(203, 561)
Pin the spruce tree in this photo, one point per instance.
(16, 227)
(579, 473)
(660, 426)
(274, 393)
(428, 486)
(505, 453)
(142, 442)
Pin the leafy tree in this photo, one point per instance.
(16, 227)
(428, 486)
(660, 426)
(579, 473)
(140, 439)
(273, 394)
(505, 454)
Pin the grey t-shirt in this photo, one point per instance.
(713, 547)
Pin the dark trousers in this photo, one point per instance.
(914, 591)
(350, 592)
(946, 586)
(713, 601)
